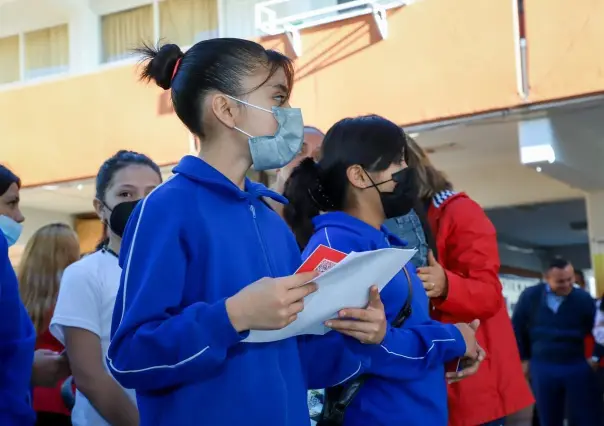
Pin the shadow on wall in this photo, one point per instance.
(333, 47)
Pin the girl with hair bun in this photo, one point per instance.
(206, 260)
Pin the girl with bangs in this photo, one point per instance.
(342, 202)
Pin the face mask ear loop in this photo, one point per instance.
(241, 131)
(373, 185)
(248, 104)
(106, 206)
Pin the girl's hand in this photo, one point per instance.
(270, 303)
(367, 325)
(469, 367)
(434, 278)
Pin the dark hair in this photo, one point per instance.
(7, 178)
(211, 65)
(558, 263)
(372, 142)
(110, 167)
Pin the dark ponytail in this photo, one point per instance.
(301, 190)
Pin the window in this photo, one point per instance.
(350, 9)
(185, 22)
(126, 30)
(9, 58)
(46, 51)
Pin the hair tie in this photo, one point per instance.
(176, 67)
(321, 200)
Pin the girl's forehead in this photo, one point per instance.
(134, 175)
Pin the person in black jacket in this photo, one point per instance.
(551, 321)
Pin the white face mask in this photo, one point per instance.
(11, 229)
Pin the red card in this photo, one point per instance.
(321, 260)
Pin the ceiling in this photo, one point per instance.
(480, 158)
(542, 225)
(71, 198)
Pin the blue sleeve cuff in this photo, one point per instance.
(222, 331)
(459, 347)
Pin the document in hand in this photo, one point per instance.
(345, 284)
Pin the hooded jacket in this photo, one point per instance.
(193, 242)
(17, 341)
(406, 383)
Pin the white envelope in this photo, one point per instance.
(346, 285)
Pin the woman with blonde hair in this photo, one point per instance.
(49, 251)
(463, 284)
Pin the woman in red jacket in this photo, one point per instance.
(463, 285)
(49, 251)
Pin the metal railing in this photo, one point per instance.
(268, 21)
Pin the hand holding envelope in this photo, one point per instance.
(270, 303)
(343, 284)
(367, 325)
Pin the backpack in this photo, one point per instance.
(338, 398)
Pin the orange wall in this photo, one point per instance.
(442, 59)
(565, 54)
(65, 129)
(90, 233)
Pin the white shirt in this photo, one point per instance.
(598, 331)
(86, 298)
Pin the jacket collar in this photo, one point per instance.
(356, 226)
(443, 197)
(198, 170)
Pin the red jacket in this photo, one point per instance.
(466, 244)
(49, 400)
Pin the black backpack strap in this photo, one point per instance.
(338, 398)
(406, 310)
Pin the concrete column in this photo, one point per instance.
(595, 220)
(85, 46)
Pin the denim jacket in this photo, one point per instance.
(409, 228)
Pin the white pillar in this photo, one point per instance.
(85, 47)
(595, 220)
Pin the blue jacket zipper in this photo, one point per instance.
(268, 263)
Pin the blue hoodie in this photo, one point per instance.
(17, 343)
(193, 242)
(407, 375)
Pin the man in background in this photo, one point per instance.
(551, 321)
(313, 138)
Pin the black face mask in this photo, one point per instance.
(120, 215)
(401, 200)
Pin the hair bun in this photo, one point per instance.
(309, 165)
(314, 184)
(161, 63)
